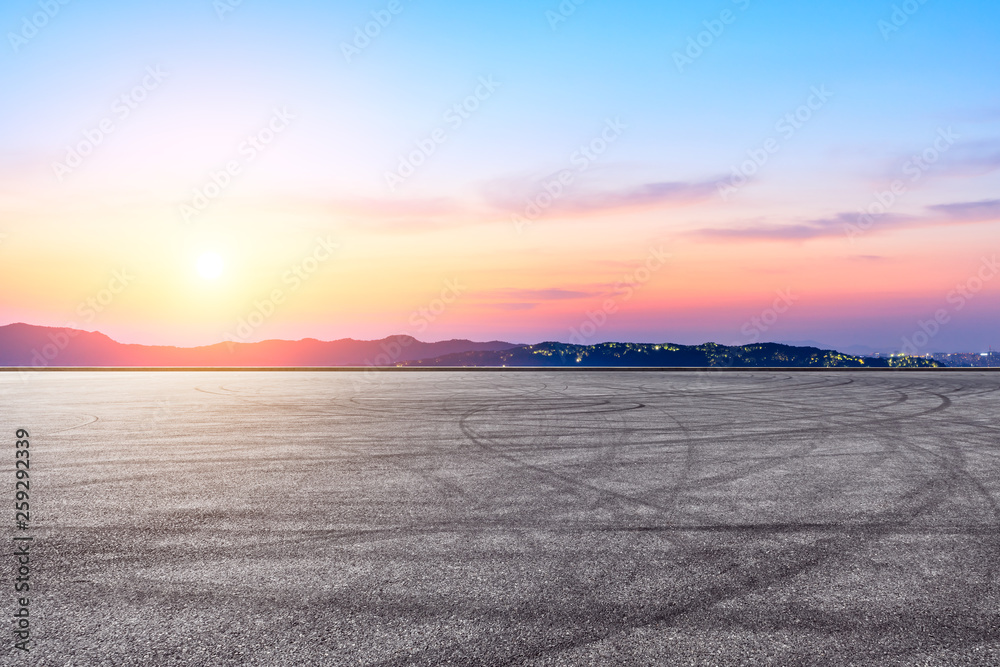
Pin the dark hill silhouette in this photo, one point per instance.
(668, 355)
(29, 345)
(26, 345)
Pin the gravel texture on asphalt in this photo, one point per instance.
(544, 518)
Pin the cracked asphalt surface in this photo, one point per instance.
(542, 518)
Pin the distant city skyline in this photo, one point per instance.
(732, 171)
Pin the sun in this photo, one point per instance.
(210, 266)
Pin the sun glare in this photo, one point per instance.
(210, 266)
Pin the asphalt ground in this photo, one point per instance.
(543, 518)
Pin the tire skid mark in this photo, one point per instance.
(759, 574)
(752, 576)
(571, 483)
(92, 419)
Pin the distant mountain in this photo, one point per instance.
(807, 343)
(28, 345)
(32, 346)
(667, 355)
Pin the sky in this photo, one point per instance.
(583, 171)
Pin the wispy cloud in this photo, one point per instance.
(513, 196)
(964, 159)
(978, 211)
(495, 204)
(548, 294)
(647, 194)
(515, 306)
(937, 215)
(969, 159)
(397, 207)
(515, 299)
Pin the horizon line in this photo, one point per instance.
(494, 369)
(819, 346)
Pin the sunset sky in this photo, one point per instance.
(685, 172)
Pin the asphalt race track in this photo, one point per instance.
(542, 518)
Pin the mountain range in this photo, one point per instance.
(28, 345)
(25, 345)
